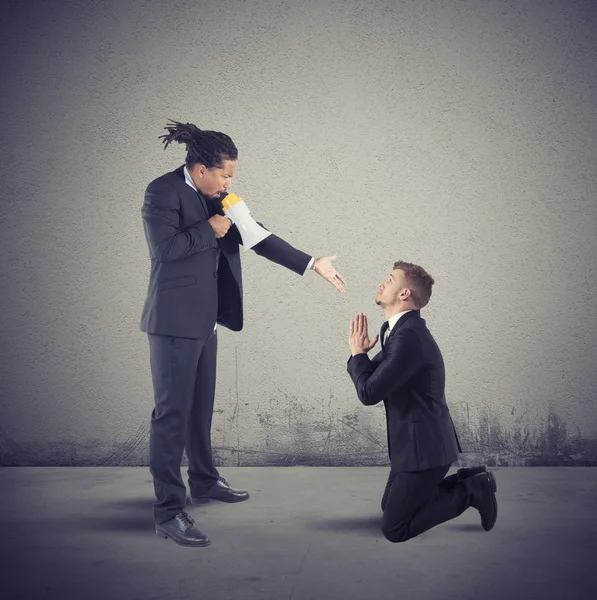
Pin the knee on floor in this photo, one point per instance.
(395, 535)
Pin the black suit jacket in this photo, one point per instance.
(186, 294)
(408, 375)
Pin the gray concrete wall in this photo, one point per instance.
(458, 135)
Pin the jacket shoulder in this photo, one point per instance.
(414, 323)
(414, 332)
(171, 178)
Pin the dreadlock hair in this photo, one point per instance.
(418, 280)
(209, 148)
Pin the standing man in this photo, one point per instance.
(195, 282)
(408, 375)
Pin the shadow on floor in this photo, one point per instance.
(131, 514)
(465, 526)
(369, 524)
(125, 521)
(144, 503)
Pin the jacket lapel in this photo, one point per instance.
(413, 314)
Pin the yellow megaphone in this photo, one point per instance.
(237, 211)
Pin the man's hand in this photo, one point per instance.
(220, 225)
(323, 266)
(358, 339)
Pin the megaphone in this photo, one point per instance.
(237, 211)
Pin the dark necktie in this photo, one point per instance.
(382, 333)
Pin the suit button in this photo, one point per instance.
(216, 275)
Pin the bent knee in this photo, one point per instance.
(396, 535)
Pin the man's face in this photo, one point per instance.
(391, 288)
(215, 181)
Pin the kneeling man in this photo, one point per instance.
(408, 375)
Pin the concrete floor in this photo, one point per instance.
(306, 533)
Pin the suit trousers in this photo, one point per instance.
(415, 501)
(183, 372)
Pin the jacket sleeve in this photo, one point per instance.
(403, 359)
(161, 222)
(376, 360)
(282, 253)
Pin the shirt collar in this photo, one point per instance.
(394, 319)
(188, 180)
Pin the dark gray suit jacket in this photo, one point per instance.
(409, 376)
(186, 293)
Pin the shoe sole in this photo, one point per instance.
(492, 481)
(166, 536)
(477, 471)
(195, 501)
(493, 487)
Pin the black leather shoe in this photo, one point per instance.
(483, 488)
(470, 471)
(181, 529)
(221, 491)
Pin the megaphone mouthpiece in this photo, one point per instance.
(230, 200)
